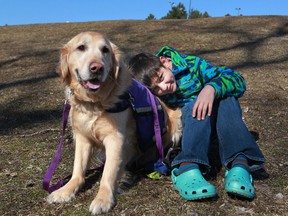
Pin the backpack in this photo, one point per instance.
(140, 99)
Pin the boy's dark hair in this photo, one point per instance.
(144, 66)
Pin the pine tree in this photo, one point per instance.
(151, 17)
(177, 12)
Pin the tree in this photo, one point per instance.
(194, 14)
(177, 12)
(205, 15)
(151, 17)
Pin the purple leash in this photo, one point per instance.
(52, 167)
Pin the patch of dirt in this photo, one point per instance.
(31, 100)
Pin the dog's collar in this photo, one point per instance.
(123, 104)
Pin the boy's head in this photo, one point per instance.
(153, 72)
(144, 66)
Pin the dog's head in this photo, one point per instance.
(87, 61)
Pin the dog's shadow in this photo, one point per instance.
(92, 176)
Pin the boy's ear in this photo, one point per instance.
(162, 59)
(166, 62)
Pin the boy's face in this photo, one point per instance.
(164, 83)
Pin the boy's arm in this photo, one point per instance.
(225, 81)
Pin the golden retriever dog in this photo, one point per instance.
(94, 69)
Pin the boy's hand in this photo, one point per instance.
(204, 103)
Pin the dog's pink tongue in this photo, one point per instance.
(91, 85)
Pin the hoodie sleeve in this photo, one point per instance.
(225, 81)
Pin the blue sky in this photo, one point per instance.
(18, 12)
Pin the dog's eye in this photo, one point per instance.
(105, 49)
(81, 47)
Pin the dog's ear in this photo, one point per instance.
(117, 61)
(116, 51)
(62, 68)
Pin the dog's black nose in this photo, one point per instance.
(95, 67)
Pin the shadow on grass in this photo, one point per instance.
(12, 119)
(31, 81)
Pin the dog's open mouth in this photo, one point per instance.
(92, 85)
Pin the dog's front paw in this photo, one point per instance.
(60, 196)
(100, 205)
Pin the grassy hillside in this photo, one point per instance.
(31, 99)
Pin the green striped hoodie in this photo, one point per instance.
(193, 73)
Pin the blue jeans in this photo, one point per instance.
(226, 123)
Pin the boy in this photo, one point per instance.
(208, 98)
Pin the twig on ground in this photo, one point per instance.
(39, 132)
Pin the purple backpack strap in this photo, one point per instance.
(52, 167)
(157, 129)
(159, 165)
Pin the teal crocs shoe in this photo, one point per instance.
(239, 182)
(191, 185)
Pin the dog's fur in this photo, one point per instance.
(93, 68)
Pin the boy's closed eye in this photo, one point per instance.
(159, 78)
(154, 87)
(156, 80)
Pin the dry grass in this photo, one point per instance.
(31, 99)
